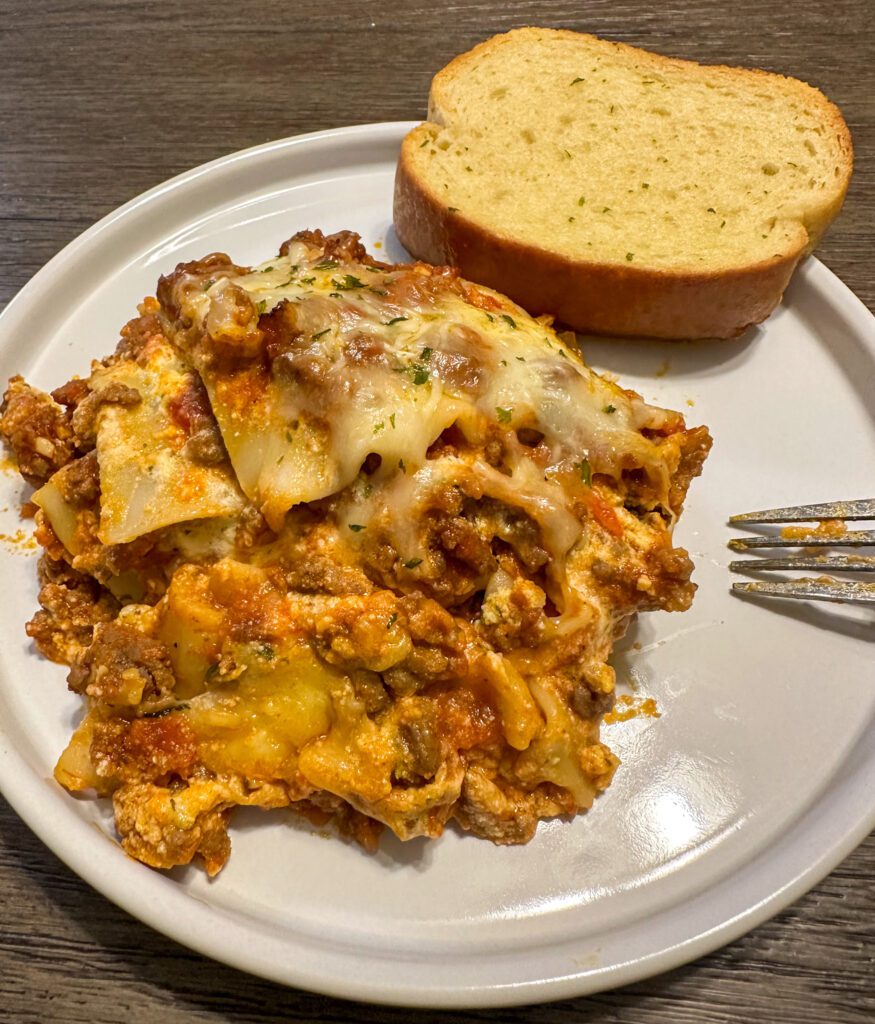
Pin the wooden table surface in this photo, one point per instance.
(101, 100)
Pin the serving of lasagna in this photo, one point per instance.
(346, 537)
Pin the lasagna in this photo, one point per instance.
(346, 537)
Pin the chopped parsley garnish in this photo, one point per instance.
(348, 283)
(610, 408)
(412, 563)
(378, 291)
(504, 415)
(265, 651)
(585, 472)
(576, 80)
(630, 256)
(424, 142)
(356, 527)
(334, 295)
(504, 362)
(267, 270)
(426, 354)
(262, 306)
(393, 618)
(453, 209)
(508, 320)
(490, 318)
(392, 420)
(378, 427)
(395, 320)
(711, 209)
(325, 265)
(209, 284)
(420, 375)
(321, 334)
(306, 280)
(520, 359)
(581, 201)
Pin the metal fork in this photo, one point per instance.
(824, 588)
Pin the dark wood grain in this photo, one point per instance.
(101, 100)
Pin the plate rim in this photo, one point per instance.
(125, 886)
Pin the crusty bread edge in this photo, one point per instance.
(603, 298)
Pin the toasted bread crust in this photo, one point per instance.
(600, 297)
(595, 298)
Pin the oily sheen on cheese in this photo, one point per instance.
(395, 406)
(347, 537)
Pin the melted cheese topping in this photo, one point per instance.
(383, 362)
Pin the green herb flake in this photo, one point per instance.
(583, 468)
(420, 375)
(412, 563)
(265, 651)
(395, 320)
(581, 201)
(509, 320)
(576, 80)
(378, 291)
(424, 142)
(334, 295)
(209, 284)
(379, 426)
(321, 334)
(570, 220)
(609, 409)
(426, 354)
(356, 527)
(711, 209)
(347, 283)
(306, 280)
(630, 256)
(520, 359)
(645, 184)
(565, 151)
(504, 415)
(504, 362)
(262, 306)
(392, 420)
(267, 270)
(325, 265)
(452, 209)
(490, 318)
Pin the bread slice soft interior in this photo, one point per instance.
(562, 153)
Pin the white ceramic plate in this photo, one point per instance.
(753, 784)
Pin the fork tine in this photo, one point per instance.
(851, 539)
(864, 508)
(817, 590)
(825, 563)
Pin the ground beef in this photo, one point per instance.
(37, 430)
(344, 246)
(122, 666)
(85, 416)
(79, 481)
(72, 604)
(143, 748)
